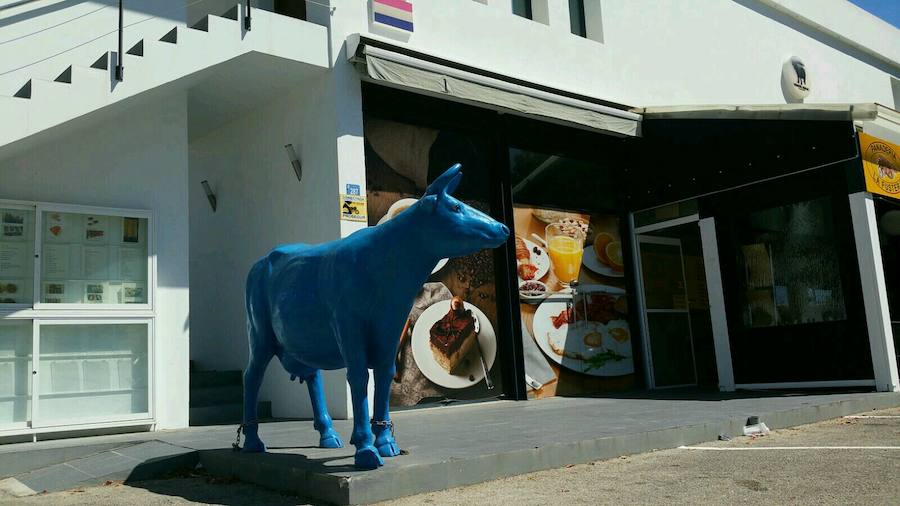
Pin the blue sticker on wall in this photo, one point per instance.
(352, 189)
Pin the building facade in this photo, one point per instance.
(729, 168)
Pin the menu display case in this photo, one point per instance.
(76, 317)
(16, 254)
(93, 259)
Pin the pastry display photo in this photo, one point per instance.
(447, 339)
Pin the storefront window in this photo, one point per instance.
(401, 160)
(790, 266)
(93, 259)
(16, 255)
(573, 343)
(889, 235)
(92, 371)
(15, 371)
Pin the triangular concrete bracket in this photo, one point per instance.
(65, 77)
(137, 49)
(231, 13)
(24, 91)
(171, 37)
(102, 63)
(202, 25)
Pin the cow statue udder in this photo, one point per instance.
(343, 304)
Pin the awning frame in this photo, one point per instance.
(511, 97)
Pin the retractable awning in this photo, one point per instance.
(800, 112)
(422, 74)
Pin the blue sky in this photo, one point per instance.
(888, 10)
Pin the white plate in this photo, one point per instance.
(570, 339)
(392, 211)
(422, 354)
(592, 262)
(542, 261)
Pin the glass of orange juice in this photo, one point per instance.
(566, 246)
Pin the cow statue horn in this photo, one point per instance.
(301, 297)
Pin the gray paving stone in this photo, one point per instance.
(54, 478)
(104, 464)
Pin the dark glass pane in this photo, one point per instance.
(522, 8)
(670, 347)
(791, 273)
(576, 17)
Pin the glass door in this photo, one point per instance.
(91, 371)
(668, 335)
(16, 344)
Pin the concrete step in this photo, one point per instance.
(137, 462)
(214, 396)
(226, 413)
(208, 379)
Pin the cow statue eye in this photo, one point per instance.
(457, 208)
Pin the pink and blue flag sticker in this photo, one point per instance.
(396, 14)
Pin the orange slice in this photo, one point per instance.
(614, 254)
(602, 240)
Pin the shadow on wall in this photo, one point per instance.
(895, 90)
(38, 9)
(816, 35)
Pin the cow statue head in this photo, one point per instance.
(451, 227)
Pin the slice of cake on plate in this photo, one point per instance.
(453, 336)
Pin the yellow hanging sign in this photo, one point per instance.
(881, 164)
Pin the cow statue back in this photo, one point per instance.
(314, 307)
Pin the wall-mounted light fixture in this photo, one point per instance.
(210, 196)
(295, 162)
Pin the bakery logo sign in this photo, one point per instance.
(881, 165)
(795, 78)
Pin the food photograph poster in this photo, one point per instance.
(453, 322)
(571, 273)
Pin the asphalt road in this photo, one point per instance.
(791, 466)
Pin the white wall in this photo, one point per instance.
(260, 205)
(35, 31)
(135, 158)
(654, 52)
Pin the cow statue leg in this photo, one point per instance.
(328, 437)
(366, 456)
(382, 427)
(253, 376)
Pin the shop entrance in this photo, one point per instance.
(674, 305)
(888, 213)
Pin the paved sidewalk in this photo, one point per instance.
(448, 447)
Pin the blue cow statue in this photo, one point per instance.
(344, 303)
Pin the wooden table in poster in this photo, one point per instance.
(570, 382)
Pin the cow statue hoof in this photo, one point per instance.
(330, 439)
(384, 439)
(367, 458)
(387, 447)
(252, 442)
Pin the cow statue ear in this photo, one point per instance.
(443, 180)
(451, 186)
(428, 202)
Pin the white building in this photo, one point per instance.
(117, 270)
